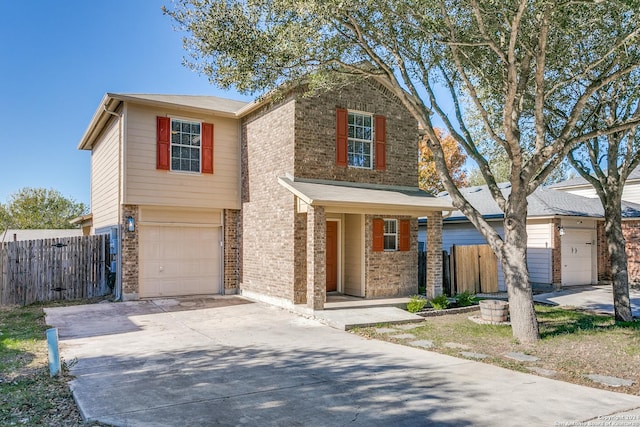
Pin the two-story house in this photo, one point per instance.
(280, 200)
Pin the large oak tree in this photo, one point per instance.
(39, 208)
(527, 68)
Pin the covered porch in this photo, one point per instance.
(360, 240)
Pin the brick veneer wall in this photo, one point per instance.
(315, 155)
(631, 230)
(268, 215)
(434, 254)
(604, 268)
(393, 273)
(231, 251)
(130, 257)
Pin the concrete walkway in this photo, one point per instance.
(228, 362)
(596, 298)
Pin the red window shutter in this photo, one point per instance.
(341, 136)
(163, 131)
(378, 235)
(380, 123)
(207, 148)
(404, 235)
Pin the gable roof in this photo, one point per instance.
(111, 103)
(543, 202)
(581, 182)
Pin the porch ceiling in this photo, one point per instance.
(352, 197)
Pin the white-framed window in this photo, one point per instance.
(390, 234)
(185, 145)
(360, 140)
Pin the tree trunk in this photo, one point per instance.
(524, 323)
(617, 259)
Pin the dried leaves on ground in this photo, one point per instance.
(575, 343)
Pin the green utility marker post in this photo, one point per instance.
(54, 354)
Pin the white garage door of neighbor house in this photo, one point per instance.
(178, 261)
(577, 259)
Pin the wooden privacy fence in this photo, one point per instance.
(474, 268)
(53, 269)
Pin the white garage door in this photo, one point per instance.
(577, 258)
(179, 260)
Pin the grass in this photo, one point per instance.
(28, 395)
(574, 343)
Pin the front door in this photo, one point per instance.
(332, 256)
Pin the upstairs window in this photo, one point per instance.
(185, 146)
(360, 140)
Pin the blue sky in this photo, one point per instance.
(58, 60)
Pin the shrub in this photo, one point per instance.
(416, 304)
(465, 299)
(440, 302)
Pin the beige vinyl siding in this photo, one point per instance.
(145, 185)
(539, 251)
(105, 184)
(353, 249)
(631, 193)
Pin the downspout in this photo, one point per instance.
(118, 286)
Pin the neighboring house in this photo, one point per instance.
(282, 201)
(581, 187)
(14, 235)
(630, 223)
(563, 247)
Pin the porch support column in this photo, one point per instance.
(316, 257)
(434, 254)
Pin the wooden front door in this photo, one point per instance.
(332, 256)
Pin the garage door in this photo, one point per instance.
(577, 259)
(179, 260)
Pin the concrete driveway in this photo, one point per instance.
(228, 362)
(594, 298)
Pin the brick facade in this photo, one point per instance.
(282, 250)
(129, 251)
(268, 209)
(231, 275)
(390, 273)
(631, 232)
(315, 130)
(434, 254)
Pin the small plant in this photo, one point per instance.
(465, 299)
(416, 304)
(440, 302)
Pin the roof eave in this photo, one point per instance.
(98, 121)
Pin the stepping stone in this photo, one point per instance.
(385, 330)
(409, 326)
(473, 355)
(456, 345)
(422, 343)
(610, 381)
(542, 371)
(521, 357)
(402, 336)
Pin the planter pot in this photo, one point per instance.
(493, 310)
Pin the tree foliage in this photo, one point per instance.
(428, 177)
(527, 68)
(39, 208)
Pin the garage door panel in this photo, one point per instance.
(179, 260)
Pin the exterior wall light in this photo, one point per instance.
(131, 224)
(561, 230)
